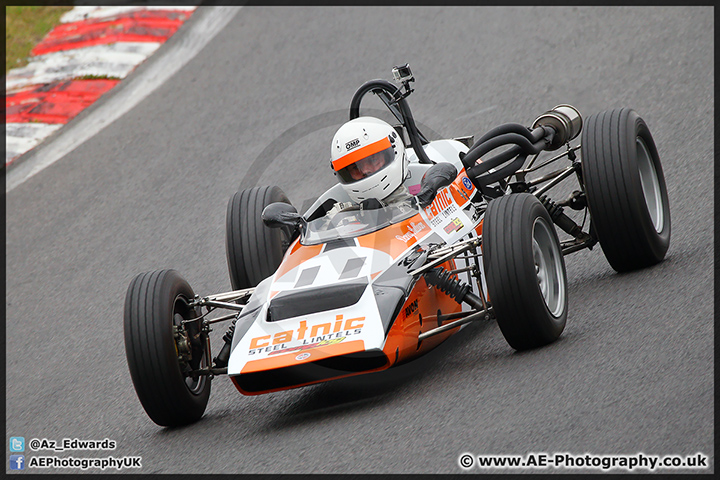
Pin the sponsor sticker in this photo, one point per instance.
(467, 183)
(453, 226)
(302, 356)
(412, 308)
(307, 336)
(299, 348)
(413, 228)
(440, 208)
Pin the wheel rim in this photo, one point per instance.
(548, 268)
(194, 385)
(650, 185)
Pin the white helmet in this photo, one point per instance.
(368, 158)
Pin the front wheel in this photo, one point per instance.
(162, 350)
(625, 187)
(525, 270)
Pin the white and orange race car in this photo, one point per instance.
(320, 296)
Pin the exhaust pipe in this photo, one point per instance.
(566, 121)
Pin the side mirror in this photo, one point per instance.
(438, 176)
(281, 214)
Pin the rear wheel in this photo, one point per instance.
(162, 351)
(525, 271)
(254, 251)
(625, 187)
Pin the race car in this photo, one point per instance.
(319, 296)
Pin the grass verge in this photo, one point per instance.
(25, 27)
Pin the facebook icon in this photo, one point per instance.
(17, 462)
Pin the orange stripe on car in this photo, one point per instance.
(235, 381)
(297, 255)
(478, 229)
(458, 190)
(361, 153)
(316, 354)
(396, 238)
(403, 335)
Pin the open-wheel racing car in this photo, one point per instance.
(320, 296)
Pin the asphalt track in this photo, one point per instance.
(633, 371)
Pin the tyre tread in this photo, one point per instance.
(254, 251)
(614, 191)
(512, 287)
(150, 349)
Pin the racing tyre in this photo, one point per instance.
(525, 271)
(625, 188)
(254, 251)
(161, 351)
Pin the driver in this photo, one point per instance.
(370, 162)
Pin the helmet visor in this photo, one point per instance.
(366, 165)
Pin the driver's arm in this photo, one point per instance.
(438, 176)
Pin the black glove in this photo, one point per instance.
(438, 176)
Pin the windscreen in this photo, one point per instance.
(355, 222)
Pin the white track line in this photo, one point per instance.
(210, 22)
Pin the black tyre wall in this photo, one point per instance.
(150, 349)
(614, 191)
(254, 251)
(520, 309)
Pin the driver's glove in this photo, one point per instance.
(438, 176)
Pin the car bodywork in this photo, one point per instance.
(348, 305)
